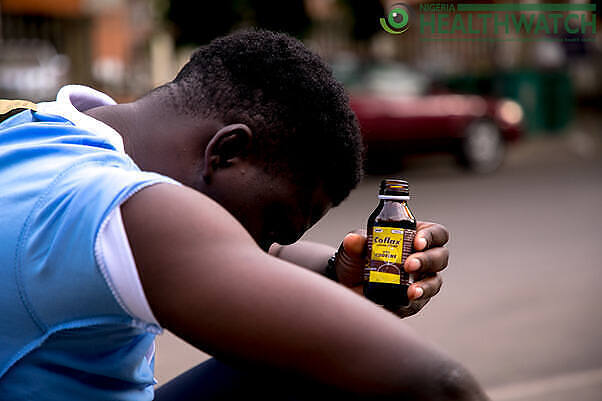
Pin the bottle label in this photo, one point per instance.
(389, 247)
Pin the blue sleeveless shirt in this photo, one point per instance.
(63, 334)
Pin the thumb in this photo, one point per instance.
(354, 245)
(350, 260)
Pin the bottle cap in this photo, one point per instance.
(394, 187)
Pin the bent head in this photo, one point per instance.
(285, 146)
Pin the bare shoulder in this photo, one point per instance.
(177, 212)
(178, 237)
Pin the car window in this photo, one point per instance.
(387, 79)
(396, 80)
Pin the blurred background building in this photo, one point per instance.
(103, 43)
(521, 310)
(128, 46)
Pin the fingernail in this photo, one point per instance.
(418, 291)
(413, 265)
(422, 243)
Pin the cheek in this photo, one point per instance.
(260, 217)
(244, 209)
(251, 218)
(284, 228)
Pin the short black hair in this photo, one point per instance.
(298, 112)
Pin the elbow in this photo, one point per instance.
(457, 384)
(451, 382)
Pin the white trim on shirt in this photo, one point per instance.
(113, 247)
(73, 100)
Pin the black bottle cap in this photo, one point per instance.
(394, 187)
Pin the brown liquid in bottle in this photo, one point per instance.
(391, 232)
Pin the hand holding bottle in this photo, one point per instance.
(430, 258)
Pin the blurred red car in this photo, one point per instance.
(400, 114)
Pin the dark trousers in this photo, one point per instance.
(215, 380)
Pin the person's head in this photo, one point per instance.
(286, 145)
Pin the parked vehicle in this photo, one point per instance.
(401, 111)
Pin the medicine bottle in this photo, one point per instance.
(391, 232)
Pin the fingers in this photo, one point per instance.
(420, 293)
(429, 235)
(425, 288)
(430, 261)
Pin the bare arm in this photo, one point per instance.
(208, 282)
(311, 255)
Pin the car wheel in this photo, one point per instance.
(483, 147)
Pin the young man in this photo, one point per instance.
(100, 249)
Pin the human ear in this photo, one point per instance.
(229, 143)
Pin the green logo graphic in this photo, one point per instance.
(448, 21)
(397, 20)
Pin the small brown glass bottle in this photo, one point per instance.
(391, 232)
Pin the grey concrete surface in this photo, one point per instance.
(521, 302)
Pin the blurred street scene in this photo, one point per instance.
(500, 138)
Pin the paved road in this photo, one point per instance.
(521, 303)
